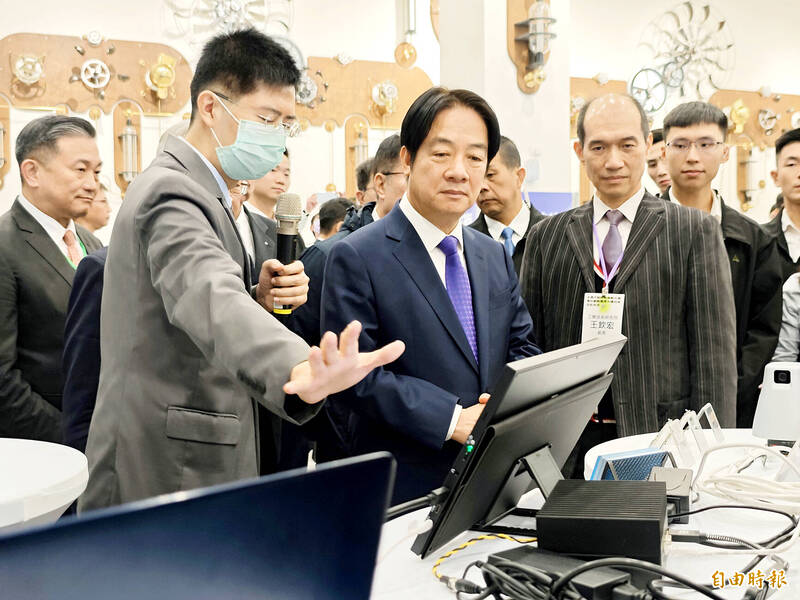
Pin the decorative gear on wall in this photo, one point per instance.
(649, 88)
(692, 48)
(200, 19)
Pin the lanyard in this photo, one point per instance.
(607, 277)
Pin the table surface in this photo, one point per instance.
(38, 480)
(400, 574)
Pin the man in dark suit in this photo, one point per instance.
(671, 266)
(81, 361)
(785, 226)
(40, 246)
(504, 216)
(448, 291)
(695, 148)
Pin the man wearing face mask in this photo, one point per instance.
(188, 343)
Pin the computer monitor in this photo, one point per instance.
(292, 535)
(538, 410)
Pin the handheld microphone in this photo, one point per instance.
(288, 212)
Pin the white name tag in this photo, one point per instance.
(602, 315)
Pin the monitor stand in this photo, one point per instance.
(537, 469)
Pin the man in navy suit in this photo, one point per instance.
(449, 292)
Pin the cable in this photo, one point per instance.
(406, 507)
(630, 563)
(454, 583)
(415, 528)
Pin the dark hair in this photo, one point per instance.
(239, 61)
(581, 130)
(419, 119)
(790, 137)
(658, 135)
(695, 113)
(387, 155)
(42, 134)
(363, 175)
(332, 212)
(508, 153)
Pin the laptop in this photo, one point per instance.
(291, 535)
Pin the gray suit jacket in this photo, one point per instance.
(184, 346)
(35, 282)
(679, 315)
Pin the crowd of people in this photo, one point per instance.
(160, 357)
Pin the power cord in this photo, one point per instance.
(462, 584)
(430, 499)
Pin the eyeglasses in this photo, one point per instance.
(704, 146)
(387, 173)
(289, 129)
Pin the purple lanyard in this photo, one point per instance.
(607, 277)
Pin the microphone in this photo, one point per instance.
(288, 212)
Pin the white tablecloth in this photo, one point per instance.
(38, 481)
(402, 575)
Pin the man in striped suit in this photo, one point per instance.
(671, 267)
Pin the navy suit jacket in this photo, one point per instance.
(81, 362)
(383, 276)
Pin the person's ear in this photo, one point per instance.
(726, 153)
(521, 172)
(578, 148)
(405, 158)
(206, 105)
(379, 183)
(29, 171)
(774, 177)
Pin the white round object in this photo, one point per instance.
(648, 87)
(95, 74)
(40, 480)
(94, 38)
(796, 119)
(28, 69)
(384, 93)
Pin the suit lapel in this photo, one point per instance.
(411, 253)
(579, 234)
(37, 238)
(647, 225)
(478, 272)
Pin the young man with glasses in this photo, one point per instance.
(189, 347)
(695, 148)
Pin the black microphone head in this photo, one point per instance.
(288, 208)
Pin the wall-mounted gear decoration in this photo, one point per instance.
(692, 48)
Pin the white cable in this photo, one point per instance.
(415, 528)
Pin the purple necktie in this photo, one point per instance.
(612, 245)
(459, 290)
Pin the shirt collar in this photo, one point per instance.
(430, 235)
(716, 203)
(627, 208)
(786, 223)
(519, 223)
(220, 181)
(52, 227)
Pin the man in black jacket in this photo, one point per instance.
(785, 226)
(504, 216)
(695, 148)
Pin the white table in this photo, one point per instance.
(402, 575)
(38, 481)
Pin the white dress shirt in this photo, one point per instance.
(53, 228)
(792, 234)
(788, 349)
(716, 204)
(628, 210)
(431, 237)
(220, 181)
(519, 225)
(256, 211)
(243, 225)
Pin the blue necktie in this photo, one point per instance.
(507, 241)
(459, 290)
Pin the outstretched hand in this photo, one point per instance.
(331, 368)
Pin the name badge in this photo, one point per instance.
(602, 315)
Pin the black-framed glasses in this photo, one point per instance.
(289, 129)
(387, 173)
(704, 145)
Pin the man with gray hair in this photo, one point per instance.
(40, 247)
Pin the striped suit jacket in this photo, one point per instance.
(679, 315)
